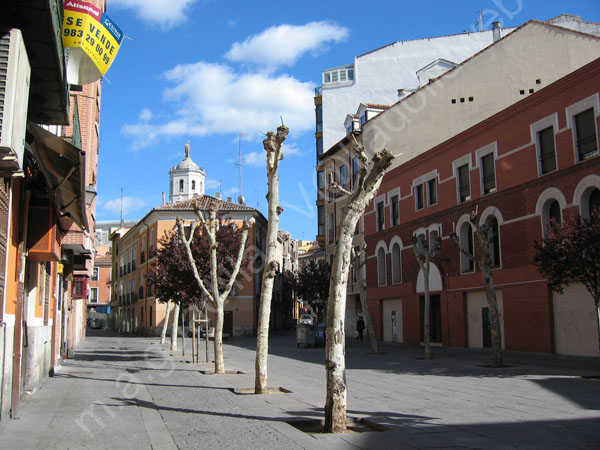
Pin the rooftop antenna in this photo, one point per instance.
(479, 24)
(257, 202)
(241, 199)
(121, 218)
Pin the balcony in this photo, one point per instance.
(41, 25)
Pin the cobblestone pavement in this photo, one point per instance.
(124, 392)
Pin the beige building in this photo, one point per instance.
(134, 306)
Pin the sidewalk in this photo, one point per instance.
(126, 392)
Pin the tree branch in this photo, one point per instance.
(188, 249)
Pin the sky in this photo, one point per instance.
(221, 73)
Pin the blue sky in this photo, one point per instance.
(207, 70)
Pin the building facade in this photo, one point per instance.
(521, 167)
(135, 307)
(516, 65)
(49, 145)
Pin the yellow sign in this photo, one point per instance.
(93, 40)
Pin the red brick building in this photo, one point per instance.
(535, 160)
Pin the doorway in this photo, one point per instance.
(435, 318)
(228, 323)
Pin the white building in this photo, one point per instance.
(186, 179)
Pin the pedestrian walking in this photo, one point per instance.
(360, 327)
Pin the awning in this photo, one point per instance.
(63, 166)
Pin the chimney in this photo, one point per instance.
(401, 92)
(163, 197)
(218, 195)
(497, 30)
(228, 199)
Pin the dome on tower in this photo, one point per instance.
(187, 164)
(187, 179)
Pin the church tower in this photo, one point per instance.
(186, 179)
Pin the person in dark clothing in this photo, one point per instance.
(360, 327)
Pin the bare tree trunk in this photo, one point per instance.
(182, 332)
(423, 252)
(193, 323)
(218, 340)
(490, 295)
(335, 363)
(360, 261)
(206, 332)
(213, 296)
(174, 327)
(272, 145)
(426, 314)
(163, 334)
(484, 237)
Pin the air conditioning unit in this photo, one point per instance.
(15, 73)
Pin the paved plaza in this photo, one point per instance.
(123, 392)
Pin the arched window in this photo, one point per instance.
(466, 243)
(381, 270)
(193, 185)
(180, 185)
(594, 204)
(494, 241)
(551, 213)
(554, 211)
(590, 202)
(396, 263)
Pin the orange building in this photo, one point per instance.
(48, 167)
(134, 306)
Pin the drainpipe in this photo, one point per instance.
(147, 260)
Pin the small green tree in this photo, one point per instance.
(571, 253)
(312, 286)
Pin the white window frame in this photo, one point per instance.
(456, 164)
(535, 128)
(379, 199)
(582, 193)
(390, 195)
(479, 154)
(396, 241)
(423, 181)
(571, 111)
(493, 211)
(381, 246)
(542, 205)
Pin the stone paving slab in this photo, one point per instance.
(127, 392)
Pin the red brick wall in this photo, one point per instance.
(527, 304)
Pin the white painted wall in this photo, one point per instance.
(475, 302)
(380, 73)
(387, 308)
(494, 78)
(575, 326)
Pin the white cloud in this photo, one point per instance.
(292, 150)
(212, 184)
(232, 191)
(255, 159)
(130, 204)
(213, 99)
(145, 114)
(165, 14)
(283, 45)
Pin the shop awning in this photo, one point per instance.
(63, 166)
